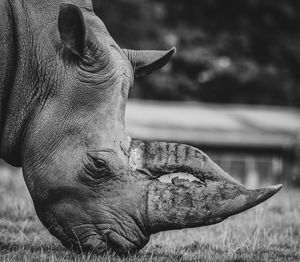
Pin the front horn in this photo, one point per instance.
(210, 198)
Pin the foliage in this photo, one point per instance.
(228, 51)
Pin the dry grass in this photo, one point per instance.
(270, 232)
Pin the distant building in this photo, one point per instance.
(255, 144)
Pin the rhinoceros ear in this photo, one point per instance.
(72, 28)
(145, 62)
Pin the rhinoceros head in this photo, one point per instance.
(94, 187)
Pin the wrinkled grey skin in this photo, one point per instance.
(64, 85)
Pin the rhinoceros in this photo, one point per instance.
(64, 86)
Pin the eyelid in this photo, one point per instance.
(96, 168)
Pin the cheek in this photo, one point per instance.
(65, 207)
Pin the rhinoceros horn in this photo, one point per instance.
(212, 197)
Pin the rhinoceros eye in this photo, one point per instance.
(96, 167)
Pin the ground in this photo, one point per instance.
(269, 232)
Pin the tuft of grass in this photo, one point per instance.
(269, 232)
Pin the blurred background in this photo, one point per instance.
(233, 89)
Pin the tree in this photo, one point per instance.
(229, 51)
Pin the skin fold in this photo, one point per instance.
(64, 87)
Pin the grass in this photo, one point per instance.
(269, 232)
